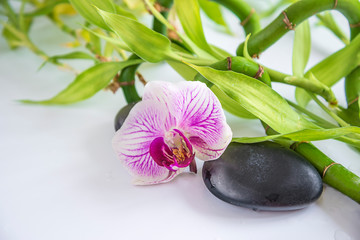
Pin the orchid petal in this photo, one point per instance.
(146, 121)
(198, 112)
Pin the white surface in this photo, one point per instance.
(59, 178)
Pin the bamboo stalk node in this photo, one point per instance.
(246, 20)
(289, 25)
(296, 144)
(228, 63)
(121, 84)
(327, 168)
(260, 72)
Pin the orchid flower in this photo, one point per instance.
(173, 124)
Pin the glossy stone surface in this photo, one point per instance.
(263, 176)
(122, 115)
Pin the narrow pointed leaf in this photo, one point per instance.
(213, 11)
(227, 103)
(301, 49)
(333, 68)
(146, 43)
(188, 42)
(124, 12)
(87, 9)
(71, 55)
(189, 15)
(230, 105)
(88, 83)
(117, 41)
(327, 20)
(304, 135)
(257, 98)
(184, 70)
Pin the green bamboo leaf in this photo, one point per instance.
(87, 83)
(227, 103)
(144, 42)
(350, 114)
(69, 56)
(124, 12)
(333, 68)
(186, 72)
(88, 11)
(230, 105)
(304, 135)
(116, 41)
(301, 49)
(186, 41)
(220, 52)
(327, 20)
(189, 15)
(108, 49)
(352, 87)
(257, 98)
(95, 43)
(213, 11)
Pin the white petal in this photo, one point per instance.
(146, 121)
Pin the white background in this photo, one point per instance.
(60, 180)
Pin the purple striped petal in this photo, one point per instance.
(147, 121)
(198, 112)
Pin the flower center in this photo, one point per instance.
(173, 152)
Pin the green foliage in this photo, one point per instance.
(69, 56)
(301, 49)
(213, 11)
(146, 43)
(88, 83)
(326, 19)
(333, 68)
(111, 27)
(304, 135)
(188, 12)
(257, 98)
(88, 11)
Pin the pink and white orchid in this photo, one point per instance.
(173, 124)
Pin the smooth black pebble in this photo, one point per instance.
(122, 115)
(263, 176)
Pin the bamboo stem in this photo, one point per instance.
(247, 15)
(333, 174)
(313, 86)
(297, 13)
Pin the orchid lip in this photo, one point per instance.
(173, 152)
